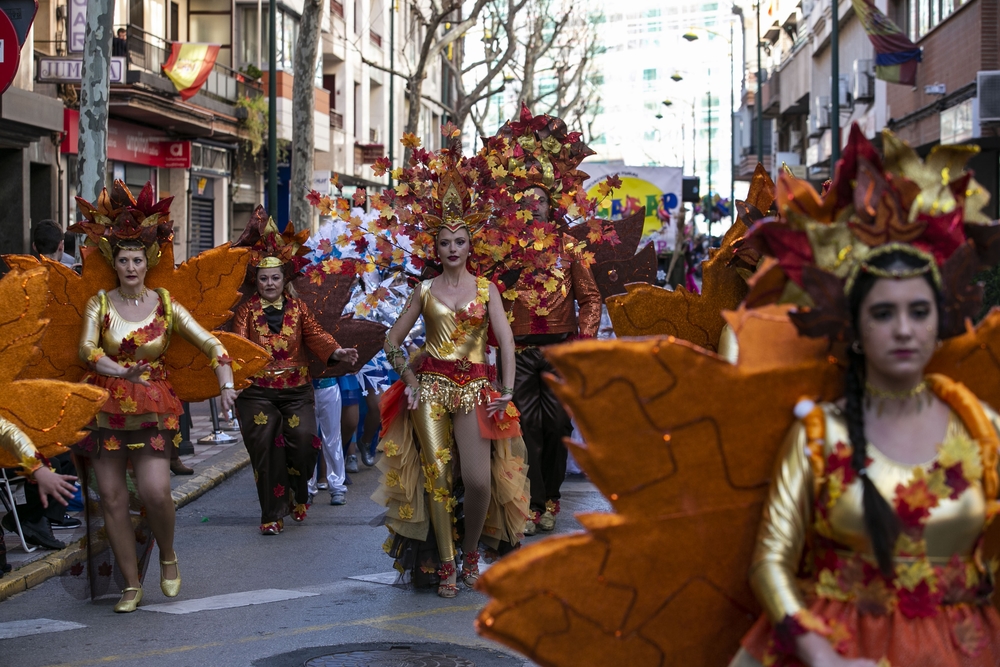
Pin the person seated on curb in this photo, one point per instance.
(43, 482)
(39, 517)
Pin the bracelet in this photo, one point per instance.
(227, 385)
(506, 390)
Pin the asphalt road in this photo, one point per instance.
(289, 599)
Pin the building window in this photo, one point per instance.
(649, 75)
(287, 26)
(925, 15)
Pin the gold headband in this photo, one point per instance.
(270, 263)
(930, 265)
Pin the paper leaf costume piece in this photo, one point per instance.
(616, 265)
(703, 435)
(207, 285)
(647, 310)
(50, 412)
(327, 302)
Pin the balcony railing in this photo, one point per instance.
(336, 120)
(368, 152)
(148, 53)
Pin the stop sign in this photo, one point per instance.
(10, 52)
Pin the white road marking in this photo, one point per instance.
(228, 601)
(35, 626)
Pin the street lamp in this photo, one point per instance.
(676, 76)
(691, 36)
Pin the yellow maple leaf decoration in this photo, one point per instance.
(207, 285)
(649, 584)
(128, 405)
(405, 512)
(260, 419)
(293, 421)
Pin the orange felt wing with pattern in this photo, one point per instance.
(647, 310)
(59, 356)
(662, 580)
(973, 359)
(50, 412)
(207, 285)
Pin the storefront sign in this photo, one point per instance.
(69, 69)
(131, 143)
(77, 25)
(10, 53)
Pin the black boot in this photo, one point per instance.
(38, 533)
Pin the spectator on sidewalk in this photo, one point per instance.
(47, 241)
(328, 413)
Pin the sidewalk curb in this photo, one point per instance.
(57, 562)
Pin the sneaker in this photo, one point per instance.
(352, 463)
(67, 522)
(322, 486)
(338, 498)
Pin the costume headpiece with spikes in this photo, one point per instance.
(119, 220)
(874, 206)
(539, 151)
(449, 203)
(270, 248)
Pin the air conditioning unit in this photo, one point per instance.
(864, 80)
(821, 113)
(844, 92)
(794, 140)
(988, 93)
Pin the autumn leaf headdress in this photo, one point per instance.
(540, 151)
(270, 248)
(119, 220)
(873, 207)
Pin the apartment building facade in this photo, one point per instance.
(959, 41)
(199, 150)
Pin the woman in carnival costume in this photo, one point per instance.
(444, 410)
(893, 486)
(126, 333)
(277, 412)
(875, 540)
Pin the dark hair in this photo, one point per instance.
(45, 236)
(121, 30)
(881, 521)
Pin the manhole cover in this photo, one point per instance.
(401, 657)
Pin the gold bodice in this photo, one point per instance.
(453, 336)
(953, 526)
(106, 331)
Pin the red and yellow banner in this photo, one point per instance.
(189, 66)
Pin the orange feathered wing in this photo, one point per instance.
(685, 464)
(50, 412)
(207, 285)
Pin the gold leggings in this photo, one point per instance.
(435, 437)
(434, 429)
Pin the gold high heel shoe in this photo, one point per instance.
(170, 587)
(127, 606)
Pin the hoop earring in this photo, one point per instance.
(856, 347)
